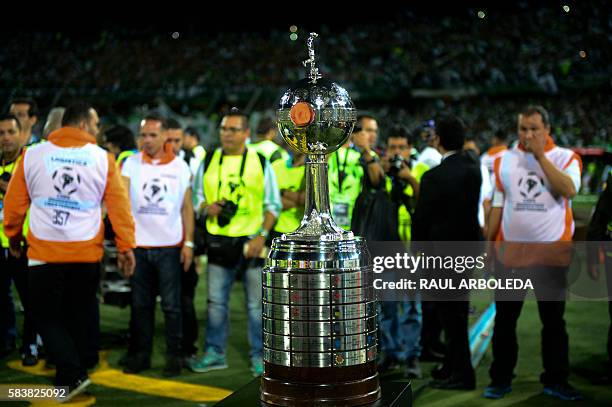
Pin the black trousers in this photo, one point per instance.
(549, 286)
(62, 297)
(15, 269)
(457, 360)
(189, 281)
(431, 332)
(609, 283)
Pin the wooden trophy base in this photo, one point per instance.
(331, 386)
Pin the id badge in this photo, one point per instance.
(340, 213)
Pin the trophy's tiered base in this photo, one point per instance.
(319, 324)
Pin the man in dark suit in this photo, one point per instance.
(447, 210)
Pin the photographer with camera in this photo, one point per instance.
(236, 191)
(403, 174)
(15, 269)
(354, 172)
(159, 187)
(401, 321)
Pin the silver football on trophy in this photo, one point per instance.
(315, 116)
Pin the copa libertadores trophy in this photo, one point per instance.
(319, 314)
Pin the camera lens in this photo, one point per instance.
(395, 164)
(227, 213)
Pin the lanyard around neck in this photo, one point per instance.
(341, 172)
(242, 165)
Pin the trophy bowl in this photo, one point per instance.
(316, 118)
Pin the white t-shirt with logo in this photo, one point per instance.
(156, 195)
(531, 213)
(66, 186)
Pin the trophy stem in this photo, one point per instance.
(317, 187)
(317, 223)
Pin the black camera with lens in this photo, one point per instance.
(228, 210)
(396, 163)
(6, 177)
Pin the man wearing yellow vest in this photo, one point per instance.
(264, 143)
(401, 321)
(345, 181)
(240, 198)
(12, 268)
(291, 182)
(63, 183)
(347, 168)
(159, 185)
(532, 224)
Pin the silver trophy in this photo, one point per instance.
(319, 313)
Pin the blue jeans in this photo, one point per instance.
(157, 270)
(400, 324)
(220, 280)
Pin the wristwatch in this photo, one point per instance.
(189, 244)
(264, 233)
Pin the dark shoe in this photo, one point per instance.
(388, 364)
(123, 360)
(91, 364)
(603, 380)
(188, 360)
(563, 391)
(49, 364)
(30, 356)
(496, 391)
(76, 388)
(450, 384)
(440, 372)
(136, 364)
(413, 369)
(173, 367)
(6, 351)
